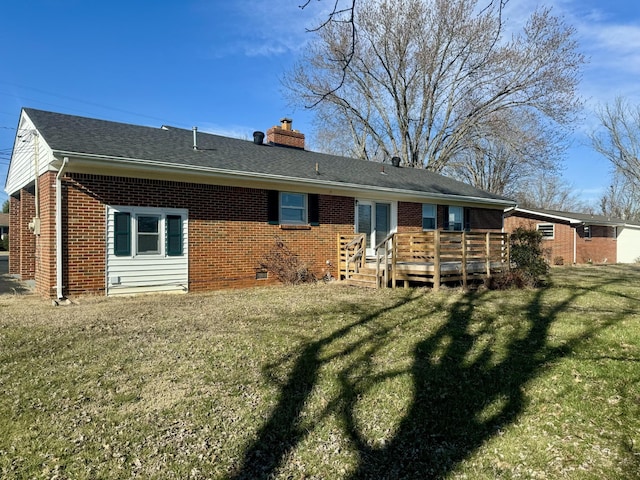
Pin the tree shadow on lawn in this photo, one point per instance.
(462, 394)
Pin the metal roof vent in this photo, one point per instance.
(395, 161)
(258, 137)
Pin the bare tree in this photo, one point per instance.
(427, 76)
(619, 139)
(550, 192)
(622, 199)
(513, 149)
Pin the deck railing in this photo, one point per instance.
(351, 254)
(430, 257)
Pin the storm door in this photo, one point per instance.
(374, 220)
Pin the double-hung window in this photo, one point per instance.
(456, 218)
(429, 216)
(148, 241)
(293, 208)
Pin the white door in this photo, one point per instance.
(375, 221)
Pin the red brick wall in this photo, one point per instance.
(409, 217)
(601, 247)
(22, 241)
(14, 235)
(45, 274)
(224, 248)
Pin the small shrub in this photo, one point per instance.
(508, 280)
(286, 266)
(527, 255)
(558, 260)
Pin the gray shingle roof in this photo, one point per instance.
(174, 147)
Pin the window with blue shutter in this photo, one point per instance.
(122, 234)
(174, 235)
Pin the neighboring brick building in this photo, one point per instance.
(117, 208)
(570, 238)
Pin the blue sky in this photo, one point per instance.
(217, 64)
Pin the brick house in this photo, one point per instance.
(110, 208)
(578, 237)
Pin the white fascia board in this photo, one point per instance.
(168, 171)
(548, 215)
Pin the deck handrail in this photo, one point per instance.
(358, 247)
(382, 275)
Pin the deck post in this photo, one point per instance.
(394, 258)
(464, 260)
(339, 264)
(436, 260)
(488, 247)
(507, 239)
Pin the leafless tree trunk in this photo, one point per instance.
(619, 139)
(421, 79)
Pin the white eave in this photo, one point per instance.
(571, 220)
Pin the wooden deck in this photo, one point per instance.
(431, 258)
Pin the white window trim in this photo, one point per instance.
(553, 230)
(304, 208)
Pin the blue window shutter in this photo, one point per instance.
(174, 235)
(314, 209)
(122, 234)
(273, 207)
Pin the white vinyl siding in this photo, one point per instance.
(144, 270)
(22, 169)
(628, 244)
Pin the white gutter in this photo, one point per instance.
(59, 293)
(238, 174)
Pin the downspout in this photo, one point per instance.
(59, 294)
(575, 245)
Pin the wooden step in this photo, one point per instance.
(362, 279)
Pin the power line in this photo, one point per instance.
(95, 104)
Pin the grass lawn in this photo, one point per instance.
(327, 382)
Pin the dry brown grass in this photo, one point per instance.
(323, 381)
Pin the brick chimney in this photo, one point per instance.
(284, 136)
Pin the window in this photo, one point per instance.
(145, 232)
(587, 231)
(293, 208)
(455, 218)
(148, 235)
(428, 216)
(547, 229)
